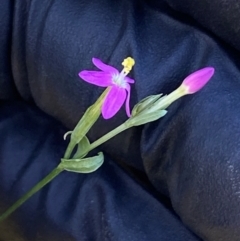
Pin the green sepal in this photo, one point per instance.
(146, 117)
(162, 103)
(86, 165)
(82, 148)
(89, 118)
(145, 103)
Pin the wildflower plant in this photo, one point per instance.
(117, 91)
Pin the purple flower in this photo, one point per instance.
(195, 81)
(108, 76)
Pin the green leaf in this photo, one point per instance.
(147, 117)
(83, 146)
(145, 103)
(86, 165)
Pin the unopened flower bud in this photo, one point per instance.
(195, 81)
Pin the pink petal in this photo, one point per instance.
(104, 67)
(129, 80)
(128, 88)
(113, 102)
(98, 78)
(195, 81)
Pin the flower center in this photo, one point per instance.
(119, 79)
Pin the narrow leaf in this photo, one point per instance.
(86, 165)
(83, 146)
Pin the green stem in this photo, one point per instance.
(69, 149)
(31, 192)
(108, 136)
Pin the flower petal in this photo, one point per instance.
(113, 102)
(129, 80)
(104, 67)
(128, 88)
(98, 78)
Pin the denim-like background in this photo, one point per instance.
(174, 179)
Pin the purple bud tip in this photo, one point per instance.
(195, 81)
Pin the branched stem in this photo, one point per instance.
(108, 136)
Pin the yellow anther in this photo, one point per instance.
(128, 63)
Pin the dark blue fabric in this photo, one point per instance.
(182, 171)
(7, 87)
(222, 17)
